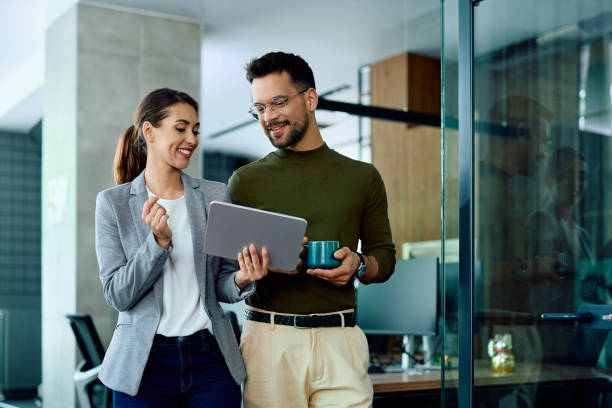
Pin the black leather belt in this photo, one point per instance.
(303, 321)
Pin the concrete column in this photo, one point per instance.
(99, 63)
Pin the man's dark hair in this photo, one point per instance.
(277, 62)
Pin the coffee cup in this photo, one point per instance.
(320, 254)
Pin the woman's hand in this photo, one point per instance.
(252, 268)
(156, 218)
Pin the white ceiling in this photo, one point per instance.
(336, 37)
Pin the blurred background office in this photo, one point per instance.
(72, 71)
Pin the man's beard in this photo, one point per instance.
(296, 133)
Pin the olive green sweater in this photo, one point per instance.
(342, 199)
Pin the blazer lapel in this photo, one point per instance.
(138, 197)
(196, 212)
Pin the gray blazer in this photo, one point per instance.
(131, 265)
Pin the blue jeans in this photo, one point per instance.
(184, 372)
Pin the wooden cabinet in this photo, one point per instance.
(406, 155)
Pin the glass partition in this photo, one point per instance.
(542, 201)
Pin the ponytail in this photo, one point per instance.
(130, 156)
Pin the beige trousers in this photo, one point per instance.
(289, 367)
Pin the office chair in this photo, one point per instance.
(90, 391)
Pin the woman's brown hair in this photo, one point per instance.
(131, 154)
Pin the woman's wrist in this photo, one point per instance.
(240, 280)
(162, 242)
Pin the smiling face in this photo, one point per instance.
(285, 126)
(174, 141)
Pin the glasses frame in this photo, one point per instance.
(279, 105)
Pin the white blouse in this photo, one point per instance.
(183, 310)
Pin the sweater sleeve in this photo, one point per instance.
(375, 231)
(233, 187)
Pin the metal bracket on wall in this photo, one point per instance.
(377, 112)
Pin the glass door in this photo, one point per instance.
(538, 252)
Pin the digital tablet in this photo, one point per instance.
(231, 227)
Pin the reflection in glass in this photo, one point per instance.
(542, 174)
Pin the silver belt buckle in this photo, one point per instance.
(295, 323)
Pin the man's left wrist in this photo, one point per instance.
(361, 267)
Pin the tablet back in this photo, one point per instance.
(231, 227)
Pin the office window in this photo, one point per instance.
(220, 166)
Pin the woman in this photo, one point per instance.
(173, 345)
(561, 261)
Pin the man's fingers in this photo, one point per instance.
(328, 275)
(337, 276)
(321, 273)
(342, 253)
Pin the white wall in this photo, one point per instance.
(335, 38)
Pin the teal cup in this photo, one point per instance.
(320, 254)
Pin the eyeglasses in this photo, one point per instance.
(278, 102)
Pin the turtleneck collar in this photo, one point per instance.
(303, 155)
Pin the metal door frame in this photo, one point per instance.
(466, 202)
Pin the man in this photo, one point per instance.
(300, 343)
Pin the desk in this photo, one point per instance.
(524, 373)
(538, 375)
